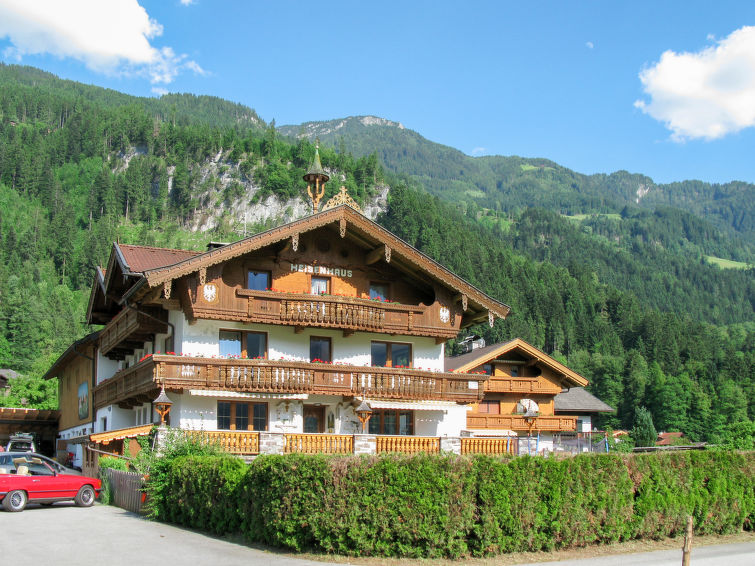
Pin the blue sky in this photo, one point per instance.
(585, 84)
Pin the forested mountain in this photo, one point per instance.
(515, 183)
(622, 294)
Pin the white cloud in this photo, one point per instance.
(707, 94)
(589, 45)
(187, 2)
(159, 91)
(107, 36)
(478, 151)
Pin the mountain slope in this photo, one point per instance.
(512, 183)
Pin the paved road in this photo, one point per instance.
(67, 535)
(104, 535)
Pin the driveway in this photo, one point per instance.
(69, 535)
(65, 534)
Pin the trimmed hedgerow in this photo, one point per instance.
(451, 506)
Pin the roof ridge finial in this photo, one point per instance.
(317, 175)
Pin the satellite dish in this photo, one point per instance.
(528, 408)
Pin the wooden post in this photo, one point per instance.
(687, 548)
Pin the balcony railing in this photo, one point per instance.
(508, 445)
(319, 444)
(232, 441)
(527, 385)
(269, 376)
(477, 421)
(346, 313)
(408, 444)
(129, 325)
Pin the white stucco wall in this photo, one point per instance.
(201, 339)
(448, 422)
(586, 423)
(106, 367)
(117, 418)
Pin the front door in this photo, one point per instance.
(314, 419)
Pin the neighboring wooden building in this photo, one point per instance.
(520, 393)
(41, 423)
(75, 370)
(287, 331)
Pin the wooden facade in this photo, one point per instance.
(517, 371)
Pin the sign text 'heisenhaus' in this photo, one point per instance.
(320, 269)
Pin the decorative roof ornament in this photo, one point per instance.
(317, 175)
(343, 197)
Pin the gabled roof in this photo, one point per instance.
(580, 400)
(130, 262)
(72, 351)
(349, 220)
(480, 356)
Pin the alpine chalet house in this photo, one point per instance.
(521, 395)
(300, 338)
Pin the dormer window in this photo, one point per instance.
(258, 280)
(320, 285)
(379, 291)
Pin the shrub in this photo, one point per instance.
(432, 505)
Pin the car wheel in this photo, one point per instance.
(85, 497)
(15, 501)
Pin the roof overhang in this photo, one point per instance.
(71, 351)
(529, 350)
(358, 226)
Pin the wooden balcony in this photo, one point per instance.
(129, 329)
(326, 311)
(524, 385)
(268, 376)
(479, 421)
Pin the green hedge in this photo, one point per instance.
(451, 506)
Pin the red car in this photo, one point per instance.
(32, 480)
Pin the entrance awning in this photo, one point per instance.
(242, 395)
(132, 432)
(412, 405)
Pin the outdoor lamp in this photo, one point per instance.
(364, 412)
(163, 405)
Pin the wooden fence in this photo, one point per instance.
(319, 443)
(476, 445)
(125, 489)
(408, 444)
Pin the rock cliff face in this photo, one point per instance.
(227, 196)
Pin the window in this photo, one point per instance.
(488, 369)
(390, 421)
(240, 343)
(391, 354)
(379, 291)
(242, 416)
(320, 285)
(514, 370)
(258, 280)
(320, 349)
(491, 407)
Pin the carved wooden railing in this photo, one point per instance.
(531, 385)
(269, 376)
(515, 422)
(407, 444)
(126, 324)
(233, 441)
(348, 313)
(319, 443)
(508, 445)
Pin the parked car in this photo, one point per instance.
(21, 443)
(30, 479)
(6, 461)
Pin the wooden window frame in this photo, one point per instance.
(330, 347)
(269, 278)
(380, 415)
(389, 353)
(329, 283)
(244, 333)
(484, 407)
(250, 422)
(387, 284)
